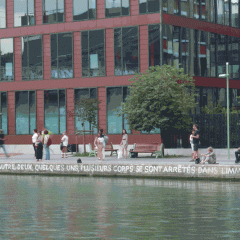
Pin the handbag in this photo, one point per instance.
(61, 145)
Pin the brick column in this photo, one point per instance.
(102, 111)
(70, 107)
(40, 109)
(143, 42)
(17, 59)
(77, 55)
(38, 12)
(11, 113)
(46, 57)
(68, 10)
(9, 12)
(134, 7)
(109, 52)
(100, 9)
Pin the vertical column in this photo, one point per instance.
(77, 48)
(109, 51)
(46, 57)
(103, 107)
(70, 108)
(68, 10)
(40, 109)
(17, 59)
(134, 7)
(100, 9)
(9, 11)
(143, 42)
(38, 12)
(11, 113)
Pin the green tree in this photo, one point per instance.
(162, 97)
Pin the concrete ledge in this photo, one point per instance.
(215, 172)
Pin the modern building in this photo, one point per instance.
(54, 52)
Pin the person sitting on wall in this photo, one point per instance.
(209, 157)
(237, 154)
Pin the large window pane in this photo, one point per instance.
(2, 13)
(61, 55)
(235, 13)
(220, 11)
(7, 66)
(3, 109)
(185, 50)
(233, 57)
(93, 49)
(32, 63)
(53, 11)
(176, 41)
(154, 45)
(167, 44)
(25, 110)
(115, 96)
(148, 6)
(185, 8)
(55, 110)
(81, 94)
(84, 9)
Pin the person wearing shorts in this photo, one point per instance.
(196, 143)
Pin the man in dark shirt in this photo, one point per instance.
(2, 139)
(196, 144)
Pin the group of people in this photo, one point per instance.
(209, 157)
(101, 140)
(42, 140)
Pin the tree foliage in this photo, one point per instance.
(160, 98)
(86, 111)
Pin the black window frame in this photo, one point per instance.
(1, 121)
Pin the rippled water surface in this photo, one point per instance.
(38, 207)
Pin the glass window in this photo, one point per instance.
(25, 110)
(185, 7)
(221, 54)
(32, 61)
(53, 11)
(115, 96)
(81, 94)
(165, 6)
(93, 53)
(7, 65)
(3, 109)
(226, 12)
(126, 50)
(55, 110)
(185, 49)
(2, 13)
(148, 6)
(24, 14)
(212, 8)
(154, 45)
(202, 57)
(235, 13)
(233, 57)
(62, 55)
(176, 40)
(196, 7)
(167, 44)
(220, 11)
(84, 9)
(115, 8)
(213, 54)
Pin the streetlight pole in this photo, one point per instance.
(228, 129)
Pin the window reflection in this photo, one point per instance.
(7, 67)
(126, 50)
(81, 94)
(2, 13)
(53, 11)
(24, 14)
(154, 45)
(3, 109)
(115, 96)
(61, 55)
(25, 112)
(235, 13)
(84, 9)
(148, 6)
(32, 64)
(93, 57)
(55, 110)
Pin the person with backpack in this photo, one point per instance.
(47, 142)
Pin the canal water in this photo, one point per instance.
(41, 207)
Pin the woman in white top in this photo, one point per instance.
(34, 139)
(99, 144)
(191, 142)
(124, 142)
(64, 140)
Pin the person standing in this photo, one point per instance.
(196, 143)
(46, 147)
(64, 140)
(34, 138)
(39, 146)
(2, 140)
(191, 142)
(124, 142)
(99, 144)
